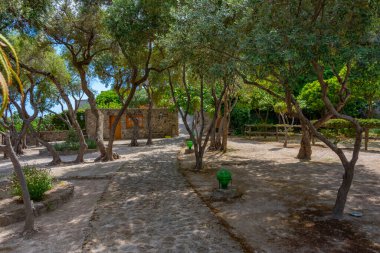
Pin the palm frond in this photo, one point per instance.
(8, 72)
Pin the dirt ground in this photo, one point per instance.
(140, 203)
(71, 170)
(286, 203)
(62, 230)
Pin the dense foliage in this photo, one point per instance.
(38, 181)
(365, 123)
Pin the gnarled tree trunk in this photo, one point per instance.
(29, 216)
(305, 150)
(149, 118)
(199, 152)
(95, 111)
(135, 133)
(344, 188)
(111, 139)
(226, 124)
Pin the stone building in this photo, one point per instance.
(164, 123)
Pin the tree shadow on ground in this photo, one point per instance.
(149, 206)
(288, 205)
(60, 230)
(68, 169)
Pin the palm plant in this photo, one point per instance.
(8, 73)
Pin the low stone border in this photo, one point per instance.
(66, 152)
(12, 210)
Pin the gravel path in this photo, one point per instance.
(148, 207)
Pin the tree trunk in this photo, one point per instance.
(56, 158)
(74, 121)
(218, 139)
(16, 139)
(82, 142)
(286, 137)
(216, 131)
(23, 143)
(366, 138)
(99, 131)
(149, 119)
(199, 152)
(286, 130)
(18, 149)
(212, 146)
(29, 220)
(135, 133)
(305, 150)
(344, 188)
(95, 111)
(266, 116)
(112, 131)
(225, 125)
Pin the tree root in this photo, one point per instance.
(115, 156)
(104, 158)
(54, 163)
(28, 234)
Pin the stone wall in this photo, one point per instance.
(164, 123)
(54, 135)
(49, 136)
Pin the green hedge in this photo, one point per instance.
(336, 124)
(341, 123)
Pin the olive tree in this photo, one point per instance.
(137, 27)
(198, 39)
(303, 36)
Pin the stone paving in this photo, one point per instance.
(148, 207)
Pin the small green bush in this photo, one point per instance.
(74, 146)
(91, 144)
(72, 136)
(341, 123)
(38, 181)
(64, 146)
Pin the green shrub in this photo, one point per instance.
(375, 132)
(38, 181)
(73, 146)
(59, 146)
(91, 144)
(341, 123)
(65, 146)
(72, 136)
